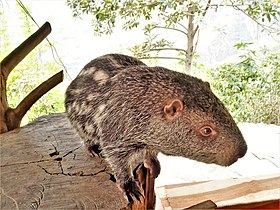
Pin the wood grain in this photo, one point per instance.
(44, 165)
(223, 193)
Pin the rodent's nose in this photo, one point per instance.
(242, 151)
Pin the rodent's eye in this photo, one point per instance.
(206, 131)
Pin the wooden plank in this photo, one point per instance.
(44, 165)
(259, 205)
(222, 192)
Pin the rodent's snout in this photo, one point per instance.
(230, 156)
(242, 151)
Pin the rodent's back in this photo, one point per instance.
(86, 94)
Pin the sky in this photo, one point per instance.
(77, 44)
(73, 38)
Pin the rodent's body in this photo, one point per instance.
(134, 111)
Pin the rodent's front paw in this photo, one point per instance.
(93, 149)
(153, 165)
(132, 189)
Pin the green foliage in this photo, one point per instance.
(250, 89)
(109, 12)
(264, 10)
(30, 73)
(150, 14)
(5, 40)
(158, 16)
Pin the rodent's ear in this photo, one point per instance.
(173, 108)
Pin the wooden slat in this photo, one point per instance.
(221, 192)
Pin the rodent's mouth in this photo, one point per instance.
(229, 156)
(232, 162)
(223, 161)
(229, 162)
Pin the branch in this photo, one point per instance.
(203, 14)
(18, 54)
(206, 8)
(8, 64)
(161, 49)
(177, 22)
(175, 29)
(37, 93)
(195, 46)
(225, 5)
(174, 58)
(265, 27)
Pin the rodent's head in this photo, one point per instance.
(202, 129)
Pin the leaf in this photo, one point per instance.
(268, 17)
(242, 45)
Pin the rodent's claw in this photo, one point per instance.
(93, 149)
(132, 190)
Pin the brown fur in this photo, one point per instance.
(133, 111)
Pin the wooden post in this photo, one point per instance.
(150, 197)
(148, 183)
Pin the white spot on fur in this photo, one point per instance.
(73, 105)
(88, 71)
(91, 97)
(76, 91)
(98, 113)
(98, 117)
(89, 128)
(114, 62)
(101, 76)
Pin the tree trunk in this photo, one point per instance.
(190, 41)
